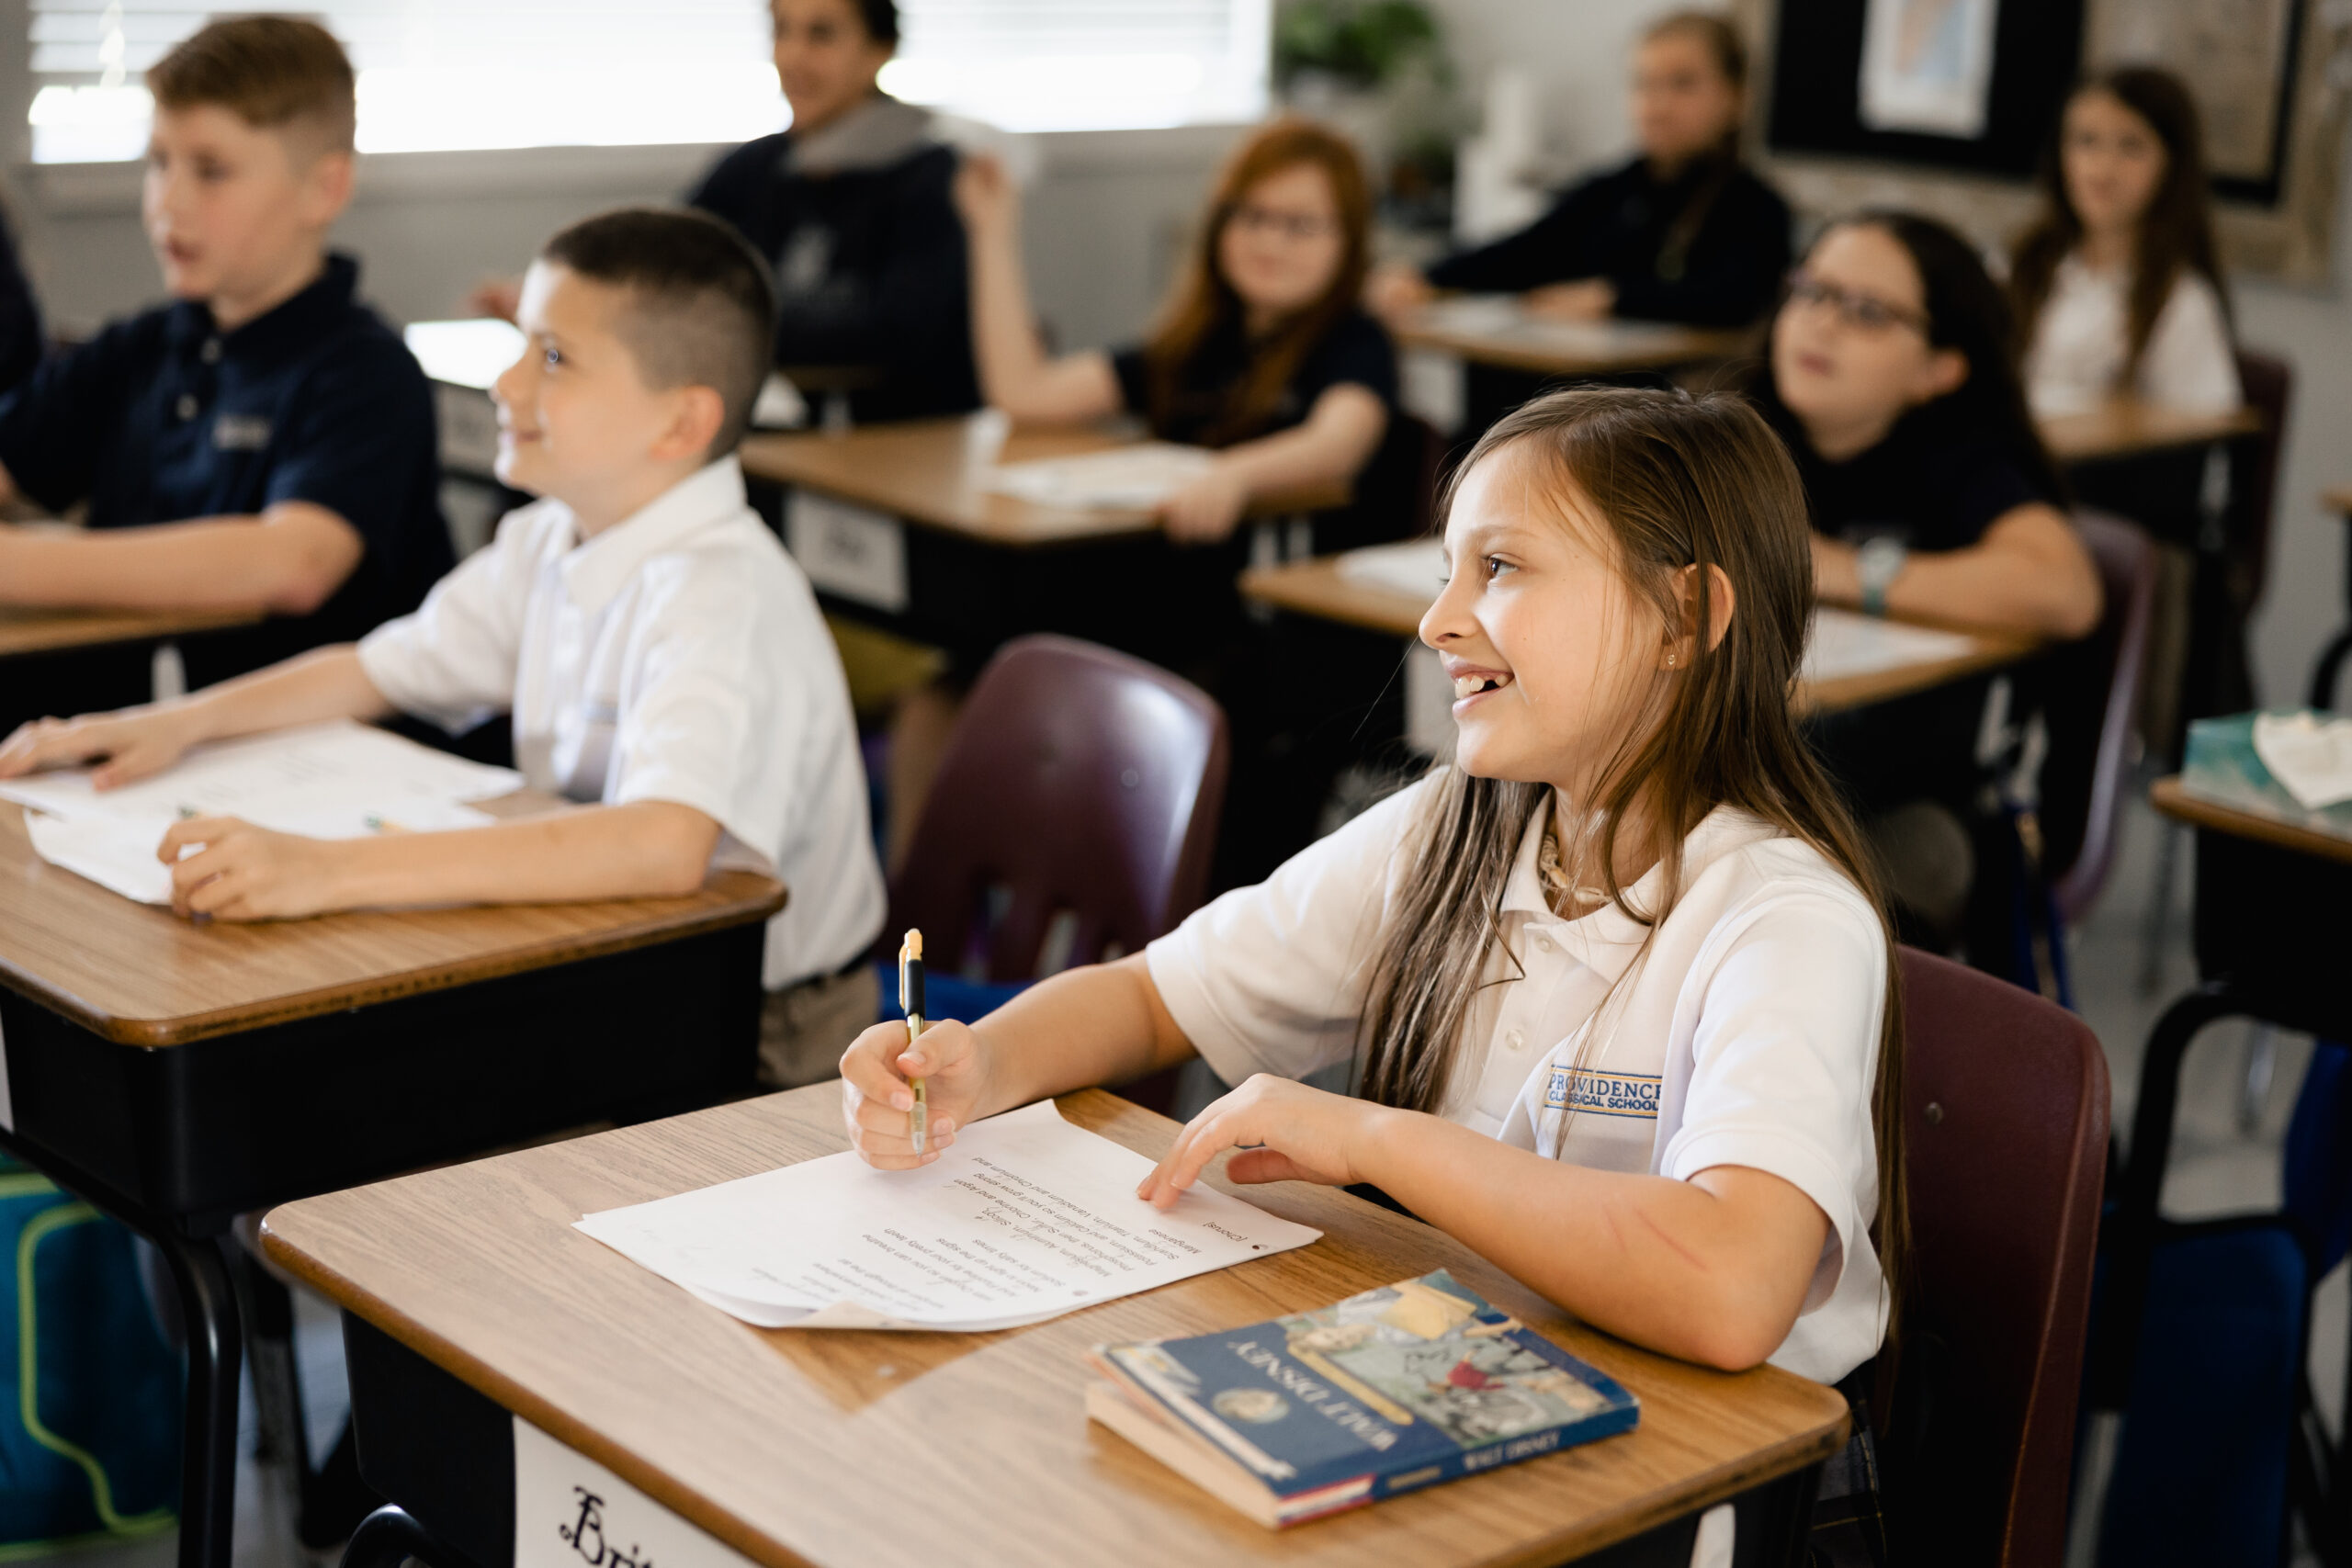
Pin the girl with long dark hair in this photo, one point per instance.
(1616, 985)
(2118, 286)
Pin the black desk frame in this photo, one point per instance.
(176, 1141)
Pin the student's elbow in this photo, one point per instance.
(1731, 1345)
(309, 554)
(675, 845)
(2074, 613)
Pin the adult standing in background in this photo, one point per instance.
(1684, 232)
(852, 207)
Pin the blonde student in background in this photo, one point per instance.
(1617, 984)
(2118, 285)
(264, 443)
(660, 654)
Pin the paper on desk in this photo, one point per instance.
(2308, 754)
(1847, 644)
(118, 852)
(339, 766)
(1023, 1218)
(1142, 475)
(1502, 316)
(1415, 567)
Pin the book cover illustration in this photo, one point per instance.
(1397, 1387)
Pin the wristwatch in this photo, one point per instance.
(1878, 563)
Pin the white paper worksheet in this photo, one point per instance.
(1844, 643)
(1142, 475)
(337, 779)
(1023, 1218)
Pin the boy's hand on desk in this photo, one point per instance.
(876, 1096)
(244, 873)
(1287, 1133)
(1206, 510)
(130, 744)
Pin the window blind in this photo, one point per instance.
(443, 75)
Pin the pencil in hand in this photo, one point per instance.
(911, 1003)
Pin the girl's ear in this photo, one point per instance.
(1721, 602)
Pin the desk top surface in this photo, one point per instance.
(49, 631)
(781, 1442)
(2174, 801)
(2127, 427)
(1490, 332)
(930, 472)
(1318, 588)
(141, 976)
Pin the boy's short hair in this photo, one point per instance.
(702, 308)
(274, 72)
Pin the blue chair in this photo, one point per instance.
(2201, 1334)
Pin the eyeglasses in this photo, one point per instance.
(1289, 225)
(1866, 312)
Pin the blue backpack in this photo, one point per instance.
(90, 1400)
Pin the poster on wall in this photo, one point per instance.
(2239, 59)
(1927, 67)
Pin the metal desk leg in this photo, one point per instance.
(388, 1537)
(2331, 661)
(209, 1440)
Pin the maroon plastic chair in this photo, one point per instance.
(2268, 383)
(1081, 789)
(2093, 714)
(2006, 1114)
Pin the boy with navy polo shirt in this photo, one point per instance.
(266, 443)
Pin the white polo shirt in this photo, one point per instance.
(678, 656)
(1748, 1034)
(2081, 337)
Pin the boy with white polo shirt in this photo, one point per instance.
(660, 654)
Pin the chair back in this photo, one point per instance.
(1073, 815)
(2092, 710)
(2006, 1118)
(2268, 383)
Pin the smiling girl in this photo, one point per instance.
(1617, 990)
(1261, 352)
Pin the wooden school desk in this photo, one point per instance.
(470, 1304)
(1319, 590)
(63, 662)
(2127, 427)
(1494, 332)
(893, 525)
(176, 1074)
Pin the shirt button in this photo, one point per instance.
(1516, 1040)
(1544, 941)
(210, 352)
(186, 408)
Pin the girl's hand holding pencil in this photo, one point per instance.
(878, 1072)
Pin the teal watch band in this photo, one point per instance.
(1878, 563)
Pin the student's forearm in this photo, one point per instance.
(1668, 1264)
(1332, 447)
(1980, 589)
(286, 562)
(326, 683)
(1100, 1024)
(1015, 375)
(645, 849)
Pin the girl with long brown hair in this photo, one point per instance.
(1261, 351)
(1618, 991)
(2117, 287)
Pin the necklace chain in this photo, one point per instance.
(1563, 890)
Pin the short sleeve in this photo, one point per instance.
(361, 443)
(1358, 352)
(54, 427)
(1128, 368)
(455, 661)
(2189, 362)
(1785, 1058)
(1273, 978)
(1984, 483)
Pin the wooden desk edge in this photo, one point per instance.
(1765, 1463)
(186, 1028)
(2175, 800)
(26, 632)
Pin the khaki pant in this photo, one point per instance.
(805, 1028)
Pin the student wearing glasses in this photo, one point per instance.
(1891, 382)
(1261, 352)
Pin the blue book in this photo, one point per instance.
(1396, 1389)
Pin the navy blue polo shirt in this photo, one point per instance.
(162, 418)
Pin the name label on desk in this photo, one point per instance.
(570, 1512)
(853, 551)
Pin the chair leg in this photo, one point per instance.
(388, 1537)
(2158, 921)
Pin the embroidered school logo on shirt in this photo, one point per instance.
(1607, 1094)
(241, 432)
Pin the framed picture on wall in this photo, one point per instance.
(1967, 84)
(2239, 59)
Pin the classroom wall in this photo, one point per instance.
(1577, 54)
